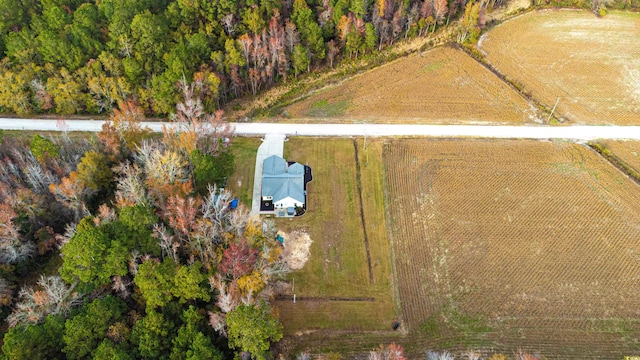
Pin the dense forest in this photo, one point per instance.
(121, 246)
(82, 57)
(75, 56)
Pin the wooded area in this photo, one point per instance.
(74, 57)
(122, 246)
(82, 57)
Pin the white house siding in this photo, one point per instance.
(287, 203)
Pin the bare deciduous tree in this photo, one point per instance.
(52, 296)
(167, 242)
(292, 38)
(162, 166)
(392, 351)
(218, 322)
(167, 172)
(130, 188)
(228, 298)
(194, 128)
(38, 178)
(70, 193)
(435, 355)
(269, 228)
(69, 231)
(439, 10)
(229, 24)
(122, 132)
(181, 214)
(12, 247)
(215, 206)
(122, 286)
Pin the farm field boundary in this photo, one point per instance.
(545, 114)
(622, 154)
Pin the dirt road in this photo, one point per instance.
(579, 133)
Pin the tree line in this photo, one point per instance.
(143, 256)
(74, 56)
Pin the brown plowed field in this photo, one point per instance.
(627, 151)
(507, 244)
(592, 64)
(440, 86)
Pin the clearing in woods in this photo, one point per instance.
(345, 287)
(443, 85)
(592, 64)
(514, 244)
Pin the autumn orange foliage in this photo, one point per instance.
(195, 129)
(182, 213)
(69, 192)
(123, 132)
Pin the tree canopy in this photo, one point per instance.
(149, 265)
(92, 257)
(41, 341)
(70, 57)
(252, 328)
(85, 331)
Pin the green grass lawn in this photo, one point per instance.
(337, 272)
(241, 182)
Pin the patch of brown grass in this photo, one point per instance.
(296, 249)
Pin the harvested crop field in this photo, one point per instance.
(502, 245)
(443, 85)
(591, 64)
(627, 151)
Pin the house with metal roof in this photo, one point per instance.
(283, 187)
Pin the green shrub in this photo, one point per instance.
(43, 149)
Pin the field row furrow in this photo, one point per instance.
(537, 232)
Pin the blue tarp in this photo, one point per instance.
(234, 204)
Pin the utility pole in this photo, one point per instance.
(552, 110)
(364, 147)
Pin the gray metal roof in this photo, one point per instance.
(280, 180)
(297, 169)
(273, 165)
